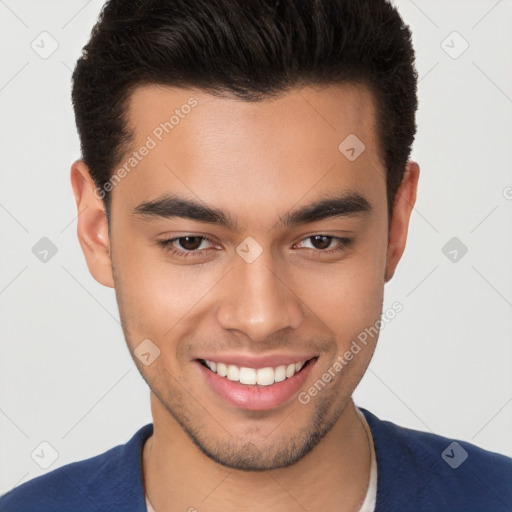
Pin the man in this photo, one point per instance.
(245, 186)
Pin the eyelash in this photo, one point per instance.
(168, 246)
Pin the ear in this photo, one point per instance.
(402, 209)
(92, 226)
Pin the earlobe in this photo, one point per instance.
(92, 226)
(399, 225)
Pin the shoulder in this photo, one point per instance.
(110, 481)
(429, 471)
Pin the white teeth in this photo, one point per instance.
(233, 373)
(280, 373)
(247, 376)
(222, 369)
(250, 376)
(265, 376)
(212, 365)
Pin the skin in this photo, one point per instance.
(256, 162)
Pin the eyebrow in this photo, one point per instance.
(171, 206)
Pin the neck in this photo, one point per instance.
(333, 476)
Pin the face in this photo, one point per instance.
(246, 239)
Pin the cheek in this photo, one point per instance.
(156, 298)
(347, 295)
(346, 301)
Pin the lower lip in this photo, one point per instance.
(255, 397)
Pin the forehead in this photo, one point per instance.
(309, 112)
(224, 149)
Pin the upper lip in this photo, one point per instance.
(256, 362)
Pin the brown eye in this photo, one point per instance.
(190, 246)
(321, 241)
(323, 244)
(190, 243)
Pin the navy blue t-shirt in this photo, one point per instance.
(417, 472)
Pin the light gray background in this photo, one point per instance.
(443, 364)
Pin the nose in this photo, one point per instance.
(258, 301)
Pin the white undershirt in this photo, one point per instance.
(371, 493)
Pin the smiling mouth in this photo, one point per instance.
(256, 376)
